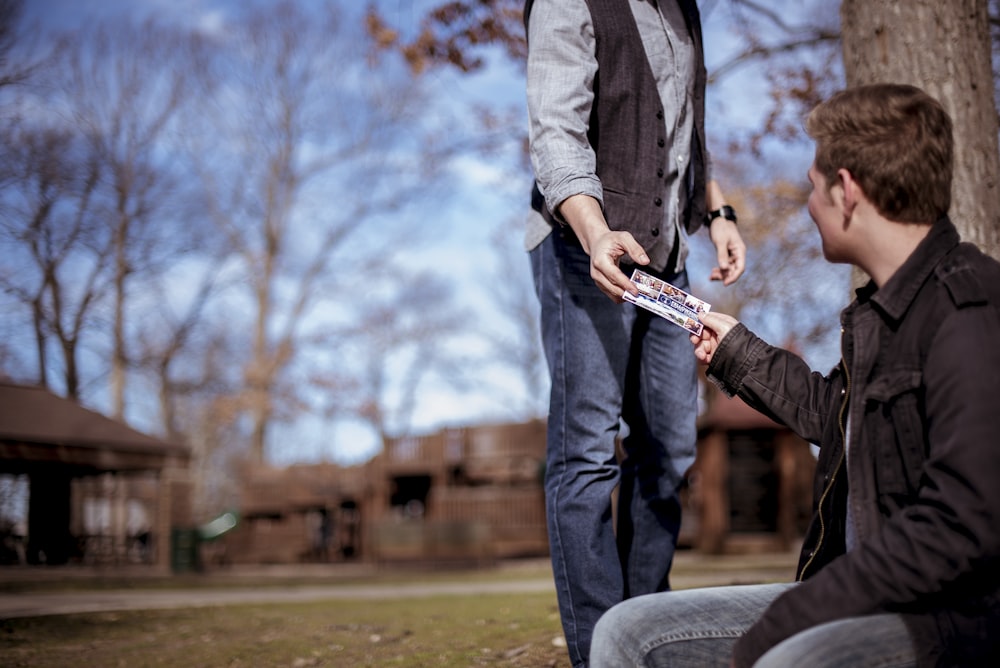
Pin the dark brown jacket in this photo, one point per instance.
(920, 376)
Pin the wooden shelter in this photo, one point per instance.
(300, 513)
(475, 494)
(460, 495)
(59, 444)
(751, 484)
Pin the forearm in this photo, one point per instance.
(714, 198)
(774, 382)
(584, 216)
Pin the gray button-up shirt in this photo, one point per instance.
(562, 66)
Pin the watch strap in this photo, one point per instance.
(725, 211)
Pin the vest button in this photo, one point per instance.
(659, 114)
(655, 232)
(661, 143)
(658, 202)
(659, 173)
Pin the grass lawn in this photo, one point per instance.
(445, 631)
(454, 631)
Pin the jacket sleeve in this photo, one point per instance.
(775, 382)
(942, 548)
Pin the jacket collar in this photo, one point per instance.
(895, 297)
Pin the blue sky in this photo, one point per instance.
(483, 197)
(486, 194)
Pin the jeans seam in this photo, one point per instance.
(557, 491)
(901, 659)
(718, 634)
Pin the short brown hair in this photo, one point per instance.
(895, 140)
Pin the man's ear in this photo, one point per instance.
(851, 193)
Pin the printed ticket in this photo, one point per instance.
(668, 301)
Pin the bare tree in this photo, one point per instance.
(307, 162)
(123, 86)
(176, 348)
(37, 226)
(302, 163)
(393, 343)
(50, 230)
(15, 69)
(514, 350)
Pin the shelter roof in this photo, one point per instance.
(39, 428)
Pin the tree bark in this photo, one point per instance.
(944, 48)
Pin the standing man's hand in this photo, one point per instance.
(730, 250)
(605, 254)
(604, 246)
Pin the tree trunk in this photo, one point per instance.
(944, 48)
(118, 355)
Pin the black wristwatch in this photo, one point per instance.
(725, 211)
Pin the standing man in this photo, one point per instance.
(616, 98)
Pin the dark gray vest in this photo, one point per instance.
(630, 148)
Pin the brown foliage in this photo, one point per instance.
(453, 32)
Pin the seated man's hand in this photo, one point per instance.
(717, 325)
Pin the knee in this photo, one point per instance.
(609, 647)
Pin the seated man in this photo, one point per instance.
(901, 565)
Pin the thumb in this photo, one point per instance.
(634, 249)
(709, 318)
(722, 256)
(720, 323)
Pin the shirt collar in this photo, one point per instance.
(895, 297)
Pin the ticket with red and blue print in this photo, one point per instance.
(668, 301)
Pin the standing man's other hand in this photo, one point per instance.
(730, 250)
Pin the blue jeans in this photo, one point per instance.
(617, 372)
(697, 628)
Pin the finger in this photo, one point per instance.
(614, 293)
(611, 280)
(703, 354)
(719, 323)
(737, 263)
(711, 319)
(634, 250)
(717, 326)
(724, 257)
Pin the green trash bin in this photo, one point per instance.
(184, 550)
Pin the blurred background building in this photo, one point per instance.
(102, 493)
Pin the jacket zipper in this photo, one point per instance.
(840, 462)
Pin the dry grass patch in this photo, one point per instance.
(453, 631)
